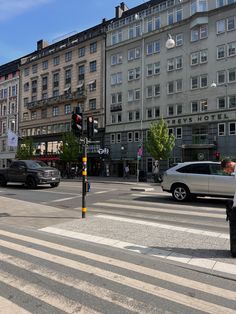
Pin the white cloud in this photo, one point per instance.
(11, 8)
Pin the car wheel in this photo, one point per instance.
(3, 181)
(31, 182)
(54, 185)
(180, 192)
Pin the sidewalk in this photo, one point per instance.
(191, 248)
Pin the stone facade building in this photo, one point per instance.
(192, 84)
(9, 108)
(55, 79)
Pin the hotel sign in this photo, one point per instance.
(221, 116)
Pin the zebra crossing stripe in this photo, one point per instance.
(189, 283)
(8, 307)
(145, 287)
(127, 303)
(160, 210)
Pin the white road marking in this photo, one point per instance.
(228, 294)
(102, 192)
(166, 226)
(8, 307)
(62, 199)
(169, 295)
(189, 259)
(55, 192)
(65, 279)
(57, 300)
(160, 210)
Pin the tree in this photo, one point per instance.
(159, 142)
(26, 149)
(69, 149)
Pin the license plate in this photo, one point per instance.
(53, 179)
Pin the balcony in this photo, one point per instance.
(116, 107)
(78, 95)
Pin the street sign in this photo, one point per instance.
(104, 151)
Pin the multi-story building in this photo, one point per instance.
(57, 78)
(9, 103)
(191, 83)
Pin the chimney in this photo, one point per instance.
(41, 44)
(123, 7)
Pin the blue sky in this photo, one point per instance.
(24, 22)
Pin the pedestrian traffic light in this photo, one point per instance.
(77, 122)
(92, 127)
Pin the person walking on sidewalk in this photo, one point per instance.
(229, 167)
(126, 172)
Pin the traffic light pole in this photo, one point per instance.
(85, 179)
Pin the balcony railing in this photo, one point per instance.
(78, 95)
(117, 107)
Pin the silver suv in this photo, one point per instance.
(205, 178)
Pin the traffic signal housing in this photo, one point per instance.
(92, 127)
(77, 122)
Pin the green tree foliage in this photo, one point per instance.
(159, 143)
(26, 149)
(70, 148)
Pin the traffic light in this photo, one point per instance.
(92, 127)
(77, 122)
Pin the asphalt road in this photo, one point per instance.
(119, 199)
(45, 273)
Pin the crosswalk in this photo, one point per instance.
(40, 273)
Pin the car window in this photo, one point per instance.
(195, 168)
(36, 164)
(217, 170)
(15, 165)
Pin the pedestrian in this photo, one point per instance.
(229, 167)
(126, 172)
(155, 171)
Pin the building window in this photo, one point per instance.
(81, 52)
(157, 112)
(116, 59)
(92, 86)
(55, 111)
(134, 74)
(170, 87)
(232, 75)
(149, 113)
(26, 71)
(67, 109)
(232, 128)
(194, 106)
(68, 56)
(118, 137)
(179, 109)
(56, 60)
(157, 90)
(116, 78)
(136, 136)
(221, 102)
(44, 83)
(194, 82)
(153, 47)
(203, 81)
(68, 77)
(194, 58)
(232, 101)
(130, 116)
(179, 14)
(130, 137)
(203, 105)
(179, 63)
(112, 139)
(179, 133)
(34, 115)
(148, 91)
(134, 54)
(137, 115)
(26, 87)
(81, 72)
(92, 104)
(231, 49)
(170, 17)
(93, 66)
(230, 23)
(170, 110)
(45, 65)
(179, 40)
(221, 52)
(34, 68)
(34, 86)
(204, 56)
(55, 80)
(179, 85)
(221, 129)
(221, 77)
(220, 26)
(170, 65)
(93, 47)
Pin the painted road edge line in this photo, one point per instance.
(165, 254)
